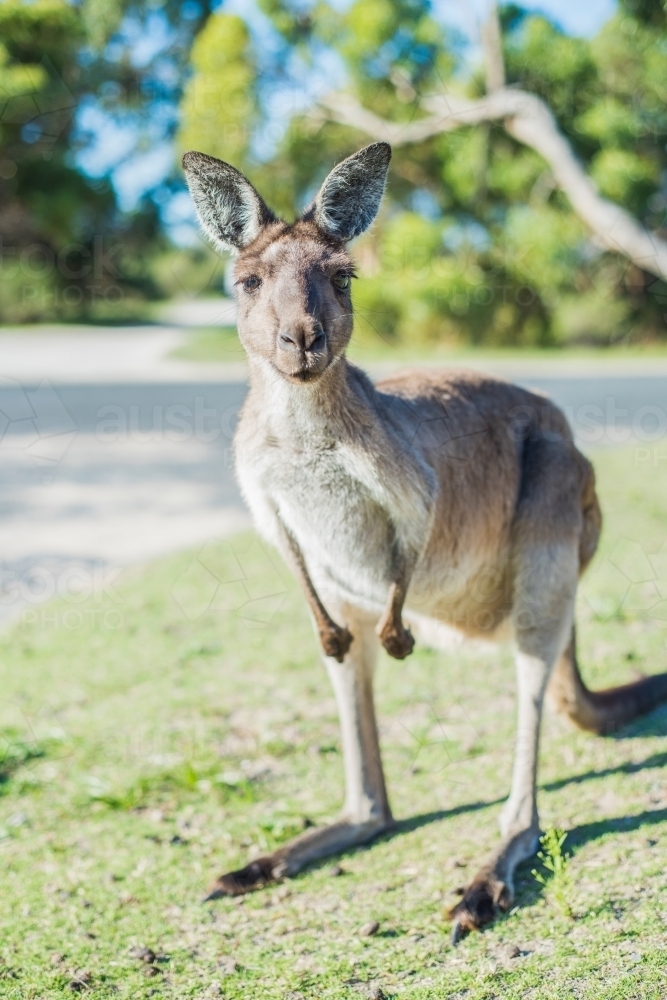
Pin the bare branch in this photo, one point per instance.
(528, 119)
(615, 228)
(492, 43)
(346, 110)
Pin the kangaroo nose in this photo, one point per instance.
(298, 340)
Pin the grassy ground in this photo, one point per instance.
(221, 344)
(157, 734)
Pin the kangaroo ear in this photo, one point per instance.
(350, 197)
(229, 209)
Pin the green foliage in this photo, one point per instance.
(18, 80)
(558, 68)
(275, 830)
(542, 247)
(623, 176)
(189, 779)
(219, 107)
(15, 752)
(46, 28)
(66, 251)
(384, 36)
(475, 244)
(555, 861)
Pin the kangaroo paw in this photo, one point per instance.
(336, 641)
(397, 640)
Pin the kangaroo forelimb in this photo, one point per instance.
(392, 633)
(334, 639)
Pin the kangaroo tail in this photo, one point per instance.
(606, 710)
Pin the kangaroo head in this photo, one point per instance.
(293, 280)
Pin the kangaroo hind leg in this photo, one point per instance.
(366, 812)
(541, 635)
(546, 558)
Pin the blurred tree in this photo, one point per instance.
(66, 250)
(219, 105)
(481, 239)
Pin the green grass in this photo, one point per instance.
(145, 749)
(221, 344)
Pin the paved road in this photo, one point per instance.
(97, 477)
(610, 409)
(206, 411)
(105, 475)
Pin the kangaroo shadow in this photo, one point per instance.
(411, 823)
(587, 832)
(629, 767)
(528, 889)
(652, 724)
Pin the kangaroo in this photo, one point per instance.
(432, 503)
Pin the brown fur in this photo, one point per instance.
(601, 711)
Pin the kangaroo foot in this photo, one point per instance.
(313, 845)
(481, 900)
(254, 876)
(335, 641)
(492, 888)
(396, 639)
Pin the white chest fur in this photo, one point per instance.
(343, 531)
(339, 477)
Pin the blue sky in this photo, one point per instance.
(576, 17)
(138, 158)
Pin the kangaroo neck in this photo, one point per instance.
(328, 409)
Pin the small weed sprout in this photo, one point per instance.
(555, 861)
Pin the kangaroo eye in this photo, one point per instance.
(251, 283)
(341, 281)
